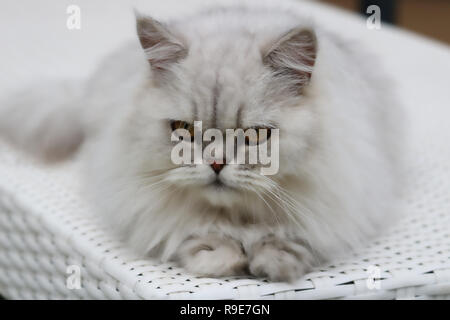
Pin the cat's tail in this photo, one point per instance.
(44, 120)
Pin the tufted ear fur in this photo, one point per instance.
(161, 47)
(293, 56)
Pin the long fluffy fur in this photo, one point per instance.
(339, 139)
(44, 119)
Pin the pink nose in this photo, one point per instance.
(217, 167)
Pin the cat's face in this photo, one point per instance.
(226, 83)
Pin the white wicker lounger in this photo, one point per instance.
(44, 227)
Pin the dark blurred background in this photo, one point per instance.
(427, 17)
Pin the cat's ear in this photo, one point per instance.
(161, 47)
(293, 56)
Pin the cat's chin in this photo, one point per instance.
(220, 194)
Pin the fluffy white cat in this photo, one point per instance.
(235, 67)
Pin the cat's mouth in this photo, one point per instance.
(219, 185)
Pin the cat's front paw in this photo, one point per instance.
(279, 260)
(213, 256)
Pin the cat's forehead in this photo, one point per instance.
(219, 104)
(225, 87)
(222, 81)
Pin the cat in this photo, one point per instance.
(229, 67)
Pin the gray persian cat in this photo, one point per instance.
(235, 67)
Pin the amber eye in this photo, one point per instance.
(178, 124)
(259, 138)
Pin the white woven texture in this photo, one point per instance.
(45, 226)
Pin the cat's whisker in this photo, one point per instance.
(286, 199)
(146, 176)
(268, 205)
(281, 204)
(290, 207)
(306, 217)
(151, 187)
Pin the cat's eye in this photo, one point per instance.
(258, 138)
(178, 124)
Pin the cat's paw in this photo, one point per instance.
(213, 256)
(279, 260)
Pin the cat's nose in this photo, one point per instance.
(217, 167)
